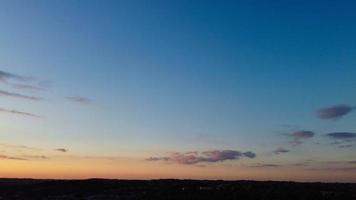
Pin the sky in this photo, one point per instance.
(228, 90)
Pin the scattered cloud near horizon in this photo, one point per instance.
(281, 150)
(19, 147)
(333, 169)
(265, 166)
(344, 146)
(5, 157)
(190, 158)
(62, 150)
(335, 111)
(36, 157)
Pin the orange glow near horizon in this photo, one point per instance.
(84, 169)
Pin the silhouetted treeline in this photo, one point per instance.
(172, 190)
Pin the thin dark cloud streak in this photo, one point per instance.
(79, 99)
(343, 140)
(312, 165)
(63, 150)
(20, 147)
(16, 112)
(281, 150)
(5, 157)
(345, 146)
(333, 169)
(334, 112)
(21, 82)
(341, 135)
(20, 96)
(265, 166)
(24, 157)
(36, 157)
(6, 76)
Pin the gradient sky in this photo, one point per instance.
(178, 89)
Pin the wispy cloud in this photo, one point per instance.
(333, 169)
(312, 165)
(5, 157)
(79, 99)
(344, 146)
(62, 150)
(17, 95)
(334, 112)
(22, 82)
(300, 136)
(341, 135)
(6, 76)
(14, 146)
(302, 164)
(28, 87)
(159, 158)
(24, 157)
(281, 150)
(16, 112)
(265, 166)
(36, 157)
(195, 157)
(303, 134)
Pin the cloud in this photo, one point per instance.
(333, 169)
(22, 82)
(6, 76)
(341, 135)
(334, 112)
(303, 134)
(90, 157)
(344, 146)
(4, 157)
(79, 99)
(62, 150)
(265, 166)
(158, 158)
(300, 136)
(249, 154)
(281, 150)
(301, 164)
(342, 140)
(17, 95)
(20, 147)
(190, 158)
(36, 157)
(28, 87)
(15, 112)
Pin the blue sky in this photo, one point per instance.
(165, 76)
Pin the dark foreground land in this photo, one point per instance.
(171, 189)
